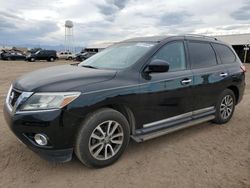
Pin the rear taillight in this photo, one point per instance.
(243, 68)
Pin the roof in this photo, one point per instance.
(100, 45)
(160, 38)
(146, 39)
(231, 39)
(235, 39)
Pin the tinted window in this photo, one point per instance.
(225, 53)
(201, 55)
(174, 54)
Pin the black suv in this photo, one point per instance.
(140, 88)
(49, 55)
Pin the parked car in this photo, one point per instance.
(1, 52)
(140, 88)
(49, 55)
(66, 55)
(84, 55)
(13, 56)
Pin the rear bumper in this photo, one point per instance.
(25, 126)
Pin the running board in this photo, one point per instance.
(148, 136)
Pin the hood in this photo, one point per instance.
(62, 78)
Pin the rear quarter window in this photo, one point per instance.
(225, 53)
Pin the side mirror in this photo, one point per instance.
(157, 66)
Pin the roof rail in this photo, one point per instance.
(201, 36)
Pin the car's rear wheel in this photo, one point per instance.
(102, 139)
(225, 107)
(32, 59)
(51, 59)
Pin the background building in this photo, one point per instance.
(240, 43)
(98, 47)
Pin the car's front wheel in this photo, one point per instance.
(225, 107)
(102, 139)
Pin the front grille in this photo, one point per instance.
(13, 97)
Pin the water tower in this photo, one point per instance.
(69, 36)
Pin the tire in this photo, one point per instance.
(32, 59)
(90, 131)
(225, 107)
(51, 59)
(69, 58)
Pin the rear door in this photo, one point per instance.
(208, 75)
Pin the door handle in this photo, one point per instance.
(186, 81)
(223, 74)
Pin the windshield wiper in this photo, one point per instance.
(89, 66)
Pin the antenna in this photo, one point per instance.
(69, 37)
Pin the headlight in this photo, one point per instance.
(45, 101)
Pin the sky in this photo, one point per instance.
(42, 21)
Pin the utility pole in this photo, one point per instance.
(246, 49)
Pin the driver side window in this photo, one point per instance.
(174, 54)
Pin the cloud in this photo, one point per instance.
(33, 33)
(6, 25)
(243, 13)
(8, 15)
(32, 21)
(8, 21)
(110, 8)
(120, 3)
(108, 11)
(174, 18)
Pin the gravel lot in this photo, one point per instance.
(206, 155)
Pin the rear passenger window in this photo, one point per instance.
(174, 54)
(225, 53)
(201, 55)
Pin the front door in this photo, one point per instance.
(168, 94)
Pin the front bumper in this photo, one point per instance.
(51, 123)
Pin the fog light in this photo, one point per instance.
(41, 139)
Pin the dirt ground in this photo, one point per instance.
(205, 155)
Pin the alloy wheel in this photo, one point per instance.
(226, 106)
(106, 140)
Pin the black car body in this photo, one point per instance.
(48, 55)
(13, 56)
(177, 82)
(84, 55)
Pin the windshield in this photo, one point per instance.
(37, 52)
(119, 56)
